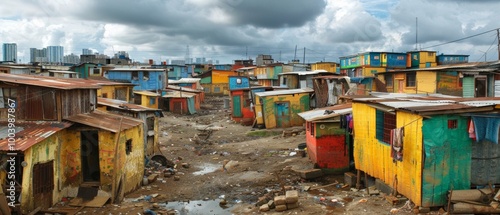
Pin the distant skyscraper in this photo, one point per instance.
(71, 59)
(55, 54)
(87, 52)
(9, 51)
(200, 60)
(38, 55)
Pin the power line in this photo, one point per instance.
(454, 41)
(487, 50)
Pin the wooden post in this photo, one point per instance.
(366, 184)
(115, 162)
(358, 179)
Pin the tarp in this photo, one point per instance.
(191, 108)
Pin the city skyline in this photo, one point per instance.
(233, 29)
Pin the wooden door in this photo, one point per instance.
(43, 184)
(282, 114)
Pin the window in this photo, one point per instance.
(284, 80)
(135, 76)
(96, 71)
(128, 146)
(401, 58)
(43, 177)
(452, 124)
(311, 128)
(411, 79)
(216, 89)
(145, 75)
(152, 101)
(105, 95)
(5, 95)
(389, 81)
(430, 54)
(385, 122)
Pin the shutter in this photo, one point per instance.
(468, 87)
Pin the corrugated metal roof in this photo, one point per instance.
(473, 66)
(481, 103)
(178, 94)
(62, 71)
(313, 72)
(186, 89)
(105, 82)
(246, 68)
(284, 92)
(51, 82)
(104, 120)
(146, 93)
(184, 81)
(123, 105)
(408, 104)
(327, 77)
(326, 112)
(29, 133)
(135, 69)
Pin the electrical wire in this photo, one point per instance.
(457, 40)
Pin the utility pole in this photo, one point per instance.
(295, 55)
(304, 58)
(416, 33)
(498, 41)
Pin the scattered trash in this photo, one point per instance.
(363, 200)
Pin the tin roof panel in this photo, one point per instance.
(28, 134)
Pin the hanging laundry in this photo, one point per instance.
(486, 128)
(472, 132)
(397, 135)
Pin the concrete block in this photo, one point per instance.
(280, 208)
(384, 188)
(290, 206)
(280, 200)
(310, 173)
(271, 204)
(264, 208)
(292, 196)
(350, 179)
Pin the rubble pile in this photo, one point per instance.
(474, 201)
(278, 201)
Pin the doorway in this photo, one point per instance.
(43, 184)
(480, 87)
(282, 114)
(90, 156)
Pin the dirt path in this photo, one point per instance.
(254, 167)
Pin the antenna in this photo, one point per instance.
(304, 58)
(295, 55)
(416, 33)
(246, 52)
(187, 58)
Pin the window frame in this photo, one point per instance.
(408, 81)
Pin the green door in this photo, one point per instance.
(237, 106)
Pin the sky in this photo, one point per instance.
(227, 30)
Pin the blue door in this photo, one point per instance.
(282, 114)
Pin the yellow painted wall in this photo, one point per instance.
(45, 151)
(145, 101)
(426, 82)
(369, 71)
(259, 117)
(373, 156)
(221, 76)
(131, 166)
(426, 57)
(298, 103)
(223, 89)
(110, 91)
(328, 66)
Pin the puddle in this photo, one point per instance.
(207, 168)
(199, 208)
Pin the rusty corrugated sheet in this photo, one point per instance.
(185, 89)
(51, 82)
(30, 133)
(123, 105)
(104, 120)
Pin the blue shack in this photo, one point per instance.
(144, 79)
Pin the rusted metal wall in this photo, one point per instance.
(78, 101)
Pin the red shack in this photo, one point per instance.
(329, 137)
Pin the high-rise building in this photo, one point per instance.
(71, 59)
(9, 51)
(55, 54)
(38, 55)
(200, 60)
(87, 52)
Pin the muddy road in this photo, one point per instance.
(221, 167)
